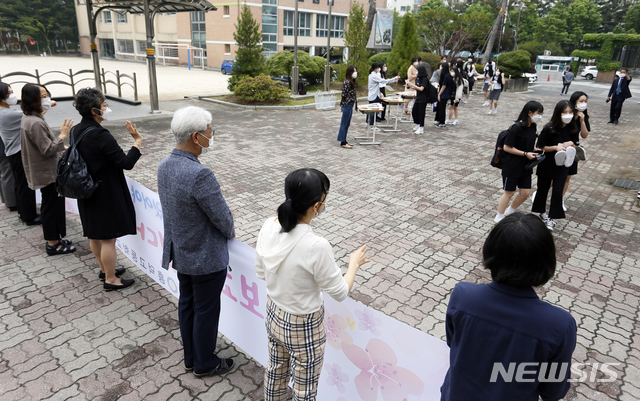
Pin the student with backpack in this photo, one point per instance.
(461, 84)
(519, 151)
(422, 87)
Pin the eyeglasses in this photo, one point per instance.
(213, 132)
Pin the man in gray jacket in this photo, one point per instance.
(197, 225)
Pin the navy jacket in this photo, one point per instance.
(624, 88)
(197, 220)
(497, 323)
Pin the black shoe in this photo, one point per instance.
(60, 249)
(34, 222)
(119, 272)
(125, 283)
(609, 122)
(13, 208)
(224, 366)
(615, 122)
(188, 369)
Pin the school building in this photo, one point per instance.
(206, 39)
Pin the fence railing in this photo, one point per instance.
(72, 79)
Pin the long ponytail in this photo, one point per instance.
(303, 188)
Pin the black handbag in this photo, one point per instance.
(72, 175)
(539, 158)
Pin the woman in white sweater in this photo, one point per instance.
(298, 265)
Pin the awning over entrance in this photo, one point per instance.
(149, 8)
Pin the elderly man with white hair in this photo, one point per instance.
(197, 225)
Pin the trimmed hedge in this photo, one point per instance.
(259, 89)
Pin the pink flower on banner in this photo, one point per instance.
(380, 373)
(368, 321)
(336, 377)
(335, 326)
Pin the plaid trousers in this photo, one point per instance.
(296, 348)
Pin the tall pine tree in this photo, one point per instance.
(405, 47)
(248, 35)
(356, 36)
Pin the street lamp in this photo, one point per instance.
(521, 7)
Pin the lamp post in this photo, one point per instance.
(521, 7)
(294, 70)
(327, 68)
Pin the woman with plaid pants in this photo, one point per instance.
(298, 265)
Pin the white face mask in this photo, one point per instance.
(416, 63)
(323, 210)
(566, 118)
(354, 75)
(622, 75)
(384, 69)
(536, 118)
(12, 99)
(205, 150)
(453, 74)
(106, 115)
(45, 103)
(581, 106)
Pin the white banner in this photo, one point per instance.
(368, 353)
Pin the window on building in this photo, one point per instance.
(269, 27)
(304, 24)
(227, 49)
(337, 26)
(100, 18)
(107, 17)
(403, 8)
(121, 18)
(125, 46)
(142, 47)
(316, 1)
(226, 10)
(199, 34)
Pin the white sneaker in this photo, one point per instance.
(456, 122)
(498, 218)
(509, 211)
(560, 157)
(419, 131)
(464, 101)
(564, 207)
(550, 224)
(417, 127)
(495, 111)
(448, 122)
(533, 197)
(485, 104)
(490, 111)
(544, 217)
(571, 156)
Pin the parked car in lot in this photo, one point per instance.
(590, 72)
(532, 77)
(227, 64)
(284, 80)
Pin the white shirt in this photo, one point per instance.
(297, 267)
(374, 85)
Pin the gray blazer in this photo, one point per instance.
(197, 220)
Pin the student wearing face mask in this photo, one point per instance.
(7, 183)
(346, 105)
(470, 73)
(422, 91)
(412, 74)
(618, 93)
(375, 79)
(446, 90)
(383, 91)
(489, 70)
(40, 152)
(106, 161)
(519, 147)
(298, 265)
(556, 139)
(498, 82)
(460, 84)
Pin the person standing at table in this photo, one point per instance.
(620, 92)
(375, 79)
(446, 90)
(383, 91)
(197, 226)
(412, 74)
(422, 92)
(346, 105)
(10, 120)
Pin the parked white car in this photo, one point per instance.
(532, 77)
(590, 72)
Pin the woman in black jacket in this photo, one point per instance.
(109, 212)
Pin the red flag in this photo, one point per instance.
(31, 42)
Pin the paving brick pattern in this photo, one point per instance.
(422, 204)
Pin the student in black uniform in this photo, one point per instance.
(556, 140)
(520, 149)
(581, 119)
(422, 90)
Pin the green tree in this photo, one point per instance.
(432, 5)
(612, 12)
(583, 18)
(309, 67)
(405, 47)
(249, 56)
(514, 63)
(632, 17)
(441, 30)
(553, 27)
(529, 20)
(355, 39)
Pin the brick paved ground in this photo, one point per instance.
(423, 204)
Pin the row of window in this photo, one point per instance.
(121, 18)
(126, 46)
(304, 25)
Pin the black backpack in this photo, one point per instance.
(498, 155)
(432, 94)
(72, 176)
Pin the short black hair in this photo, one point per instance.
(87, 99)
(413, 60)
(31, 101)
(531, 106)
(422, 71)
(4, 91)
(520, 251)
(624, 69)
(303, 188)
